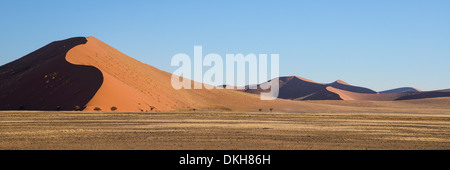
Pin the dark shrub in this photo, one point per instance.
(114, 108)
(77, 108)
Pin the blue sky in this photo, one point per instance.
(380, 44)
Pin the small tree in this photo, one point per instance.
(271, 109)
(114, 108)
(97, 109)
(260, 110)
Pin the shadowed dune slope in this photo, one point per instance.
(44, 80)
(428, 94)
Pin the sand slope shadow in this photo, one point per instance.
(45, 80)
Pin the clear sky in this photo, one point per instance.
(380, 44)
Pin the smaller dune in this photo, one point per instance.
(292, 87)
(347, 95)
(402, 89)
(428, 94)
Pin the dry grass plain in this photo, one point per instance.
(30, 130)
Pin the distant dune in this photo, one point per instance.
(428, 94)
(292, 87)
(402, 89)
(87, 74)
(348, 95)
(297, 88)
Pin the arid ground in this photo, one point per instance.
(222, 130)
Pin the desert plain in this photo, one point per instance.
(398, 125)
